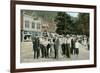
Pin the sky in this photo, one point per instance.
(74, 14)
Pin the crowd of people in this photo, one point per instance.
(59, 45)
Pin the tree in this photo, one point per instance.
(83, 23)
(64, 22)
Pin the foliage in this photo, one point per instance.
(83, 25)
(67, 24)
(63, 23)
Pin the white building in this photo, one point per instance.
(30, 26)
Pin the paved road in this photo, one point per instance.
(27, 54)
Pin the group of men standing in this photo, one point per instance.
(54, 47)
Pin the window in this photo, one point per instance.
(33, 25)
(26, 24)
(38, 26)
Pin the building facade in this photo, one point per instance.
(30, 26)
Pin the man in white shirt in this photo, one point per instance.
(77, 45)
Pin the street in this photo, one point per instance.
(27, 56)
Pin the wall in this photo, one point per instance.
(5, 36)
